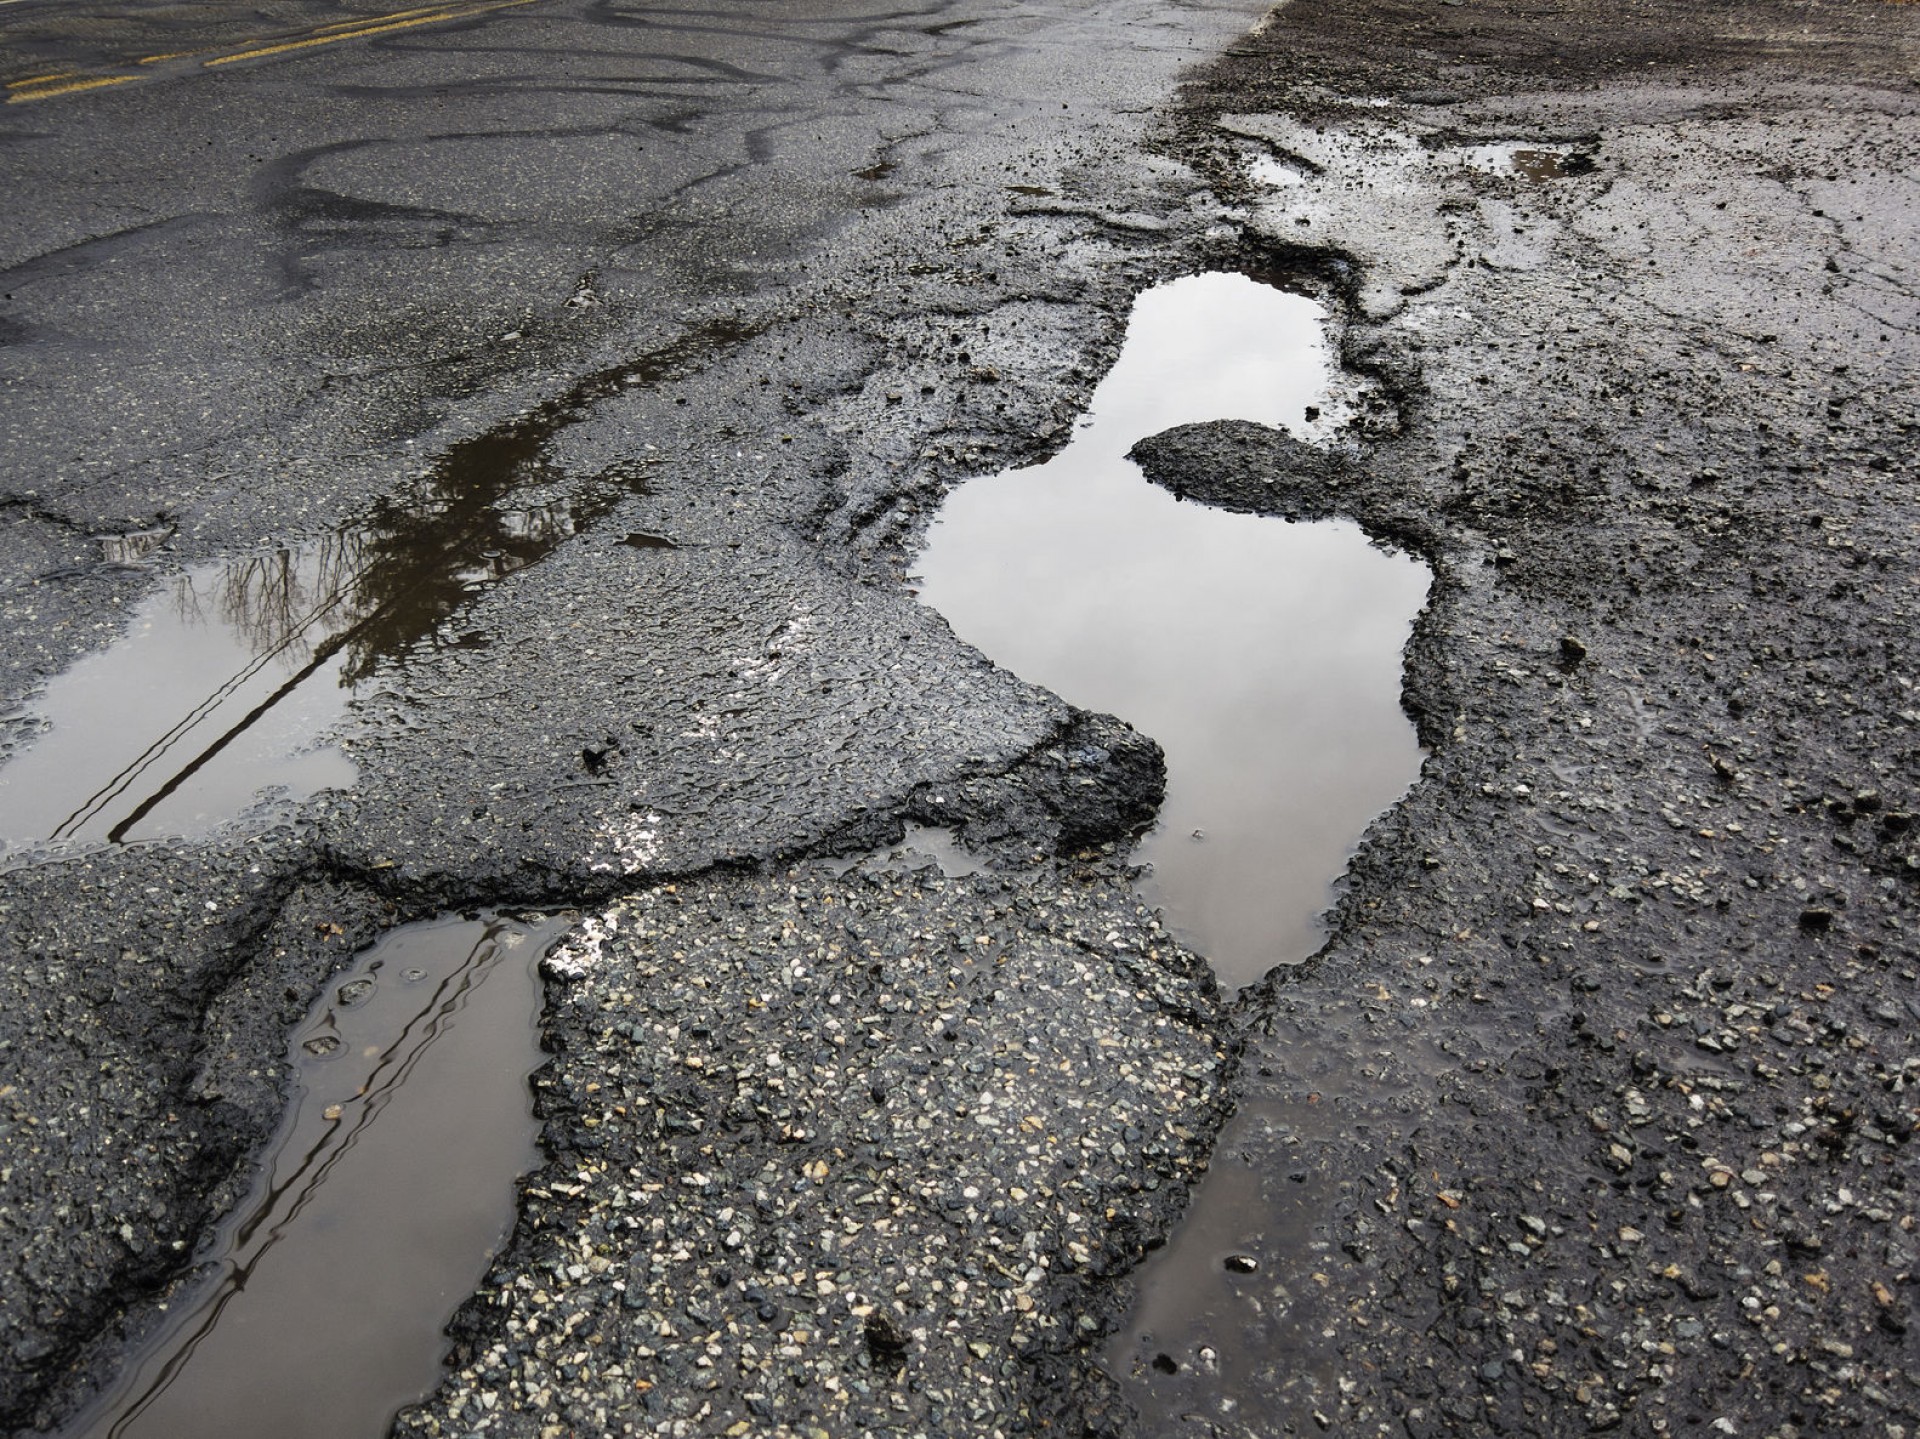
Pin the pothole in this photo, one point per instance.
(922, 847)
(321, 1300)
(1526, 160)
(1265, 658)
(223, 688)
(1271, 170)
(1263, 655)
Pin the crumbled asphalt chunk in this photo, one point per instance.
(848, 1155)
(1619, 1137)
(707, 719)
(1244, 466)
(1098, 782)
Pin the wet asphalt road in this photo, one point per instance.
(712, 306)
(1595, 1113)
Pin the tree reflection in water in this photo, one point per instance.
(204, 702)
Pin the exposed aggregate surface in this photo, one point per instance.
(840, 1156)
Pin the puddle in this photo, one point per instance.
(922, 847)
(379, 1205)
(1215, 1323)
(1529, 162)
(226, 681)
(1214, 1280)
(1269, 170)
(1264, 656)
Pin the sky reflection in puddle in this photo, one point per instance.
(1263, 655)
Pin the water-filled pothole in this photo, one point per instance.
(387, 1190)
(225, 683)
(1263, 655)
(1526, 160)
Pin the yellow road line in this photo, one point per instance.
(374, 19)
(384, 27)
(72, 82)
(71, 87)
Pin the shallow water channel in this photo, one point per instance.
(320, 1302)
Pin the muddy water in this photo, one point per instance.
(384, 1196)
(224, 685)
(1264, 656)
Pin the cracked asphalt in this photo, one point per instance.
(620, 350)
(1594, 1111)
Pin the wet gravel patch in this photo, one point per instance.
(840, 1155)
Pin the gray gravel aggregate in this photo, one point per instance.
(839, 1155)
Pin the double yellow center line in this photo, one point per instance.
(63, 82)
(359, 29)
(74, 82)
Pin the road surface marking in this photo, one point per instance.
(382, 28)
(69, 87)
(73, 82)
